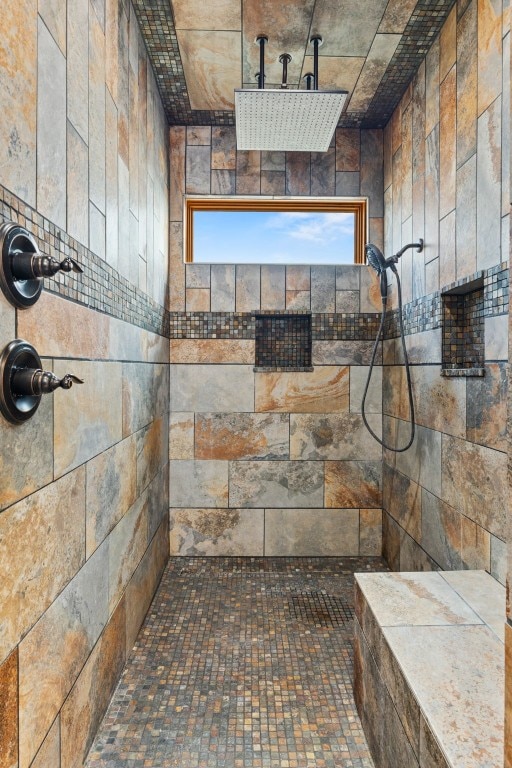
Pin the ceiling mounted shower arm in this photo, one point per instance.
(308, 77)
(317, 42)
(261, 40)
(285, 59)
(287, 118)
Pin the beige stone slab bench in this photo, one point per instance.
(429, 668)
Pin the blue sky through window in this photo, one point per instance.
(284, 237)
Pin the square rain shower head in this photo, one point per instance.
(286, 120)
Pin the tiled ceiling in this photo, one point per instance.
(201, 50)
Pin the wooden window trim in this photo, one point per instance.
(356, 205)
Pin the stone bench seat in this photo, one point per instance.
(429, 668)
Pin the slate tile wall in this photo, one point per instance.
(267, 462)
(84, 484)
(446, 499)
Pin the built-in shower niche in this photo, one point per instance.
(463, 351)
(283, 341)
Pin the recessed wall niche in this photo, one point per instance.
(463, 328)
(283, 341)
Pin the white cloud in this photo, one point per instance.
(319, 228)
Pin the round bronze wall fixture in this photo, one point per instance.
(14, 242)
(17, 356)
(22, 266)
(23, 381)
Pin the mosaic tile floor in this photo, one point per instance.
(241, 663)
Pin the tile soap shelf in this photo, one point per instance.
(455, 373)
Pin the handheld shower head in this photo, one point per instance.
(375, 259)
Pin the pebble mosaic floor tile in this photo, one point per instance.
(241, 663)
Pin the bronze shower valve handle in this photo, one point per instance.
(23, 381)
(23, 266)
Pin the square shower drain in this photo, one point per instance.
(320, 610)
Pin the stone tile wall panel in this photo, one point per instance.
(422, 462)
(242, 436)
(488, 190)
(126, 547)
(508, 695)
(287, 484)
(158, 497)
(401, 498)
(331, 436)
(486, 408)
(217, 532)
(49, 751)
(26, 455)
(111, 490)
(311, 532)
(9, 711)
(203, 388)
(53, 653)
(91, 420)
(90, 695)
(324, 390)
(32, 579)
(51, 128)
(440, 402)
(350, 484)
(145, 580)
(181, 435)
(97, 193)
(198, 483)
(472, 475)
(441, 532)
(152, 445)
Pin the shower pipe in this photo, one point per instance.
(375, 259)
(284, 59)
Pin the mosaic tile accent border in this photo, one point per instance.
(421, 30)
(157, 28)
(100, 287)
(212, 325)
(242, 325)
(159, 33)
(496, 290)
(426, 313)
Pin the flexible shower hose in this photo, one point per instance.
(407, 371)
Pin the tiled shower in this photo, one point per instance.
(176, 444)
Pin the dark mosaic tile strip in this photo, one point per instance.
(283, 341)
(496, 290)
(421, 31)
(423, 314)
(212, 325)
(100, 287)
(426, 313)
(241, 663)
(231, 566)
(242, 325)
(157, 27)
(343, 326)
